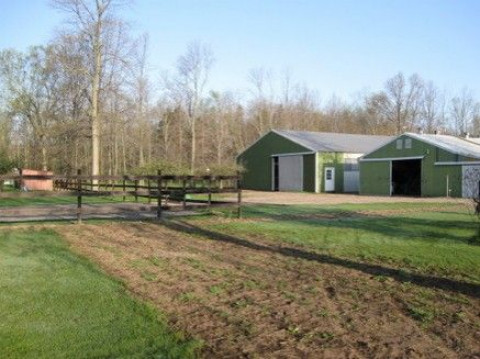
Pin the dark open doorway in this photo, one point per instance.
(406, 178)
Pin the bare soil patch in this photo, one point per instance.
(247, 299)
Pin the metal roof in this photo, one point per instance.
(468, 147)
(335, 142)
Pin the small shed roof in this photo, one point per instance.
(468, 147)
(334, 142)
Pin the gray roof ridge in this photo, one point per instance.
(331, 141)
(279, 132)
(427, 138)
(332, 133)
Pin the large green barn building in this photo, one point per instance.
(426, 165)
(306, 161)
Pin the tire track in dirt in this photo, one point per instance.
(247, 302)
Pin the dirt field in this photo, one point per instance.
(254, 299)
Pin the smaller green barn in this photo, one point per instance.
(306, 161)
(424, 165)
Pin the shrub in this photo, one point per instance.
(6, 164)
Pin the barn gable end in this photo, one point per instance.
(418, 165)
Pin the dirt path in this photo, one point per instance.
(248, 299)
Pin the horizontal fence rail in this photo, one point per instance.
(161, 188)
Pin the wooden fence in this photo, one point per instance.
(159, 188)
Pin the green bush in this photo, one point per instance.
(219, 170)
(169, 168)
(6, 164)
(172, 168)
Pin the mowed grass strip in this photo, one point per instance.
(429, 238)
(66, 198)
(58, 305)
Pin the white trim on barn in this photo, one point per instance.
(292, 154)
(459, 163)
(391, 159)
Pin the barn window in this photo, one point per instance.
(399, 144)
(408, 143)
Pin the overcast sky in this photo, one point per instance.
(334, 47)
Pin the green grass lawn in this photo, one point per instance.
(428, 238)
(65, 199)
(55, 304)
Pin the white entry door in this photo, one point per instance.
(290, 173)
(329, 179)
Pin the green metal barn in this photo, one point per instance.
(306, 161)
(424, 165)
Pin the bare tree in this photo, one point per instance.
(262, 108)
(94, 22)
(187, 89)
(399, 103)
(31, 82)
(142, 90)
(432, 111)
(464, 112)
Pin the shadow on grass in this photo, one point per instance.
(469, 289)
(400, 227)
(394, 225)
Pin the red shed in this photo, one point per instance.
(37, 184)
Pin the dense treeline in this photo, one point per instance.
(87, 99)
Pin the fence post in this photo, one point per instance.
(184, 194)
(209, 191)
(239, 195)
(136, 189)
(159, 194)
(124, 188)
(79, 197)
(149, 190)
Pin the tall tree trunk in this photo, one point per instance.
(97, 72)
(124, 154)
(193, 152)
(43, 144)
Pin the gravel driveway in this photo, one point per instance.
(330, 198)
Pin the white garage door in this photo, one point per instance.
(290, 173)
(351, 175)
(351, 181)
